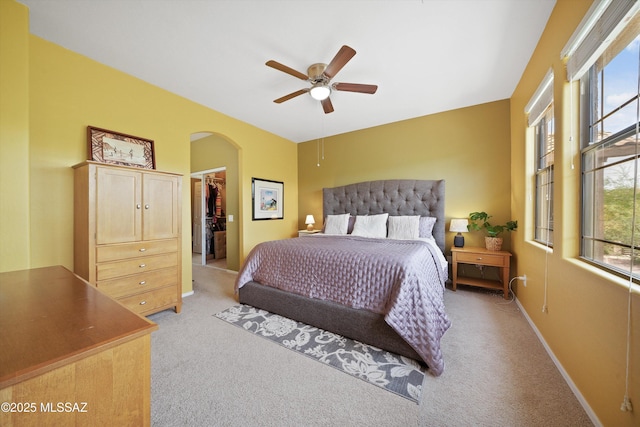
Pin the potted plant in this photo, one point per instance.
(479, 221)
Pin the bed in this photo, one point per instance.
(296, 278)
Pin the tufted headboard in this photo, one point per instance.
(395, 197)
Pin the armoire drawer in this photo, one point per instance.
(111, 270)
(151, 300)
(142, 282)
(116, 252)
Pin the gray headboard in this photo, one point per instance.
(395, 197)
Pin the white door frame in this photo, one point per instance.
(200, 175)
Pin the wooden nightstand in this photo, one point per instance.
(308, 233)
(482, 256)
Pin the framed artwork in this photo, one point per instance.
(267, 198)
(106, 146)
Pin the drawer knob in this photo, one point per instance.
(143, 302)
(479, 258)
(143, 265)
(144, 282)
(146, 206)
(138, 206)
(143, 249)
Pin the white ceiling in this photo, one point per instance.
(426, 56)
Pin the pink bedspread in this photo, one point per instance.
(401, 279)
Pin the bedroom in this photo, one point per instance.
(53, 93)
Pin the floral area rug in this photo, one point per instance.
(397, 374)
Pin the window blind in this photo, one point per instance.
(541, 99)
(600, 26)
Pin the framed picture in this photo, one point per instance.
(267, 199)
(107, 146)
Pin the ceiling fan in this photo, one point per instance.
(320, 75)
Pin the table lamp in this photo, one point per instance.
(309, 221)
(459, 226)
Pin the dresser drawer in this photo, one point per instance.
(108, 253)
(147, 281)
(111, 270)
(151, 300)
(484, 259)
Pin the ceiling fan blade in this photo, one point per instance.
(291, 95)
(342, 57)
(355, 87)
(327, 106)
(278, 66)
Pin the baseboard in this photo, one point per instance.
(563, 372)
(187, 294)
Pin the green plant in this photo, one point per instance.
(479, 221)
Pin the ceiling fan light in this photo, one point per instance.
(320, 91)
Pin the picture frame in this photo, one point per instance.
(107, 146)
(267, 199)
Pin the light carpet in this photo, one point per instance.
(394, 373)
(205, 372)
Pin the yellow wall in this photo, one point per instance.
(14, 136)
(586, 322)
(468, 148)
(66, 92)
(215, 152)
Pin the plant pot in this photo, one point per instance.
(493, 243)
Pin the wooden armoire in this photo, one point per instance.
(127, 234)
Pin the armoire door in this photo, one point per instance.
(161, 201)
(118, 205)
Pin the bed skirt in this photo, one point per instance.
(360, 325)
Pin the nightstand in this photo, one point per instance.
(308, 233)
(484, 257)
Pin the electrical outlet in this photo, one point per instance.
(523, 278)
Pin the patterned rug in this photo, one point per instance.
(397, 374)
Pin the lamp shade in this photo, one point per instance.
(459, 225)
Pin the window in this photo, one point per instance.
(544, 142)
(610, 155)
(540, 118)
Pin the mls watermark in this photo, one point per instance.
(51, 407)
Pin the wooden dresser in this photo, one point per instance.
(127, 234)
(70, 355)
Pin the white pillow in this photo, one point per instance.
(371, 226)
(336, 224)
(404, 227)
(426, 226)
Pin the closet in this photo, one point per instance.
(209, 218)
(127, 234)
